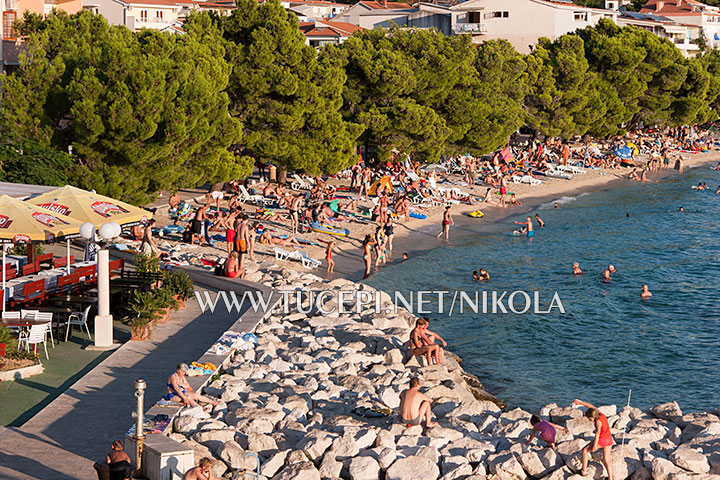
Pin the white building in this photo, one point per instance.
(314, 10)
(689, 12)
(522, 22)
(137, 14)
(324, 32)
(683, 36)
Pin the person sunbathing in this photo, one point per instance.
(179, 390)
(267, 239)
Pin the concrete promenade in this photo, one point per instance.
(67, 437)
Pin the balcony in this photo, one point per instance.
(470, 28)
(10, 5)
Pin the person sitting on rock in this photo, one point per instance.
(546, 429)
(202, 472)
(418, 345)
(415, 405)
(179, 390)
(430, 338)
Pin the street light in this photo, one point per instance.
(103, 319)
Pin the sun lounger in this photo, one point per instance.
(300, 184)
(308, 262)
(526, 179)
(281, 254)
(260, 200)
(570, 169)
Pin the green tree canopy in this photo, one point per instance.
(25, 161)
(287, 100)
(143, 112)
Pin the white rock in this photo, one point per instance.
(364, 468)
(412, 468)
(330, 468)
(261, 444)
(662, 469)
(232, 454)
(385, 439)
(506, 466)
(298, 471)
(690, 459)
(315, 443)
(273, 464)
(667, 411)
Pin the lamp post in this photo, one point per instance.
(139, 421)
(103, 319)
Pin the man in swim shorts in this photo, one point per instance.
(415, 405)
(529, 225)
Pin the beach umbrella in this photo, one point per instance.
(90, 207)
(21, 222)
(623, 151)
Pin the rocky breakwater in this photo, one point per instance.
(291, 401)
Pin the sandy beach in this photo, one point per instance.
(415, 235)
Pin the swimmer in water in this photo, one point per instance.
(576, 269)
(556, 205)
(611, 268)
(718, 190)
(484, 275)
(606, 276)
(627, 214)
(681, 209)
(404, 256)
(528, 230)
(645, 293)
(542, 224)
(476, 276)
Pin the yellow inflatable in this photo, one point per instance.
(476, 214)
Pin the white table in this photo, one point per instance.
(14, 287)
(17, 261)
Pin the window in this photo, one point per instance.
(159, 15)
(580, 17)
(8, 25)
(473, 17)
(496, 15)
(143, 15)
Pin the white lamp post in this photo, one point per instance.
(103, 319)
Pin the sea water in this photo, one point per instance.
(609, 340)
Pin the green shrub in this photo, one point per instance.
(147, 263)
(143, 308)
(23, 355)
(7, 338)
(179, 283)
(21, 249)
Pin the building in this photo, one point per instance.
(684, 36)
(386, 14)
(327, 32)
(137, 14)
(689, 12)
(522, 22)
(11, 10)
(315, 10)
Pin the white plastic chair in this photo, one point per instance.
(299, 183)
(12, 316)
(47, 317)
(80, 319)
(281, 254)
(36, 335)
(308, 262)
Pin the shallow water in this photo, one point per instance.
(608, 341)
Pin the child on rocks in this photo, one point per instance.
(546, 429)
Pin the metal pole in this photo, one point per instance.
(139, 429)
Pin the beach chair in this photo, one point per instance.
(281, 254)
(259, 200)
(299, 183)
(308, 262)
(570, 169)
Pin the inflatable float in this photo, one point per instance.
(476, 214)
(330, 230)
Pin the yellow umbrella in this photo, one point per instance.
(90, 207)
(24, 223)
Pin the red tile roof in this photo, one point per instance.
(673, 7)
(164, 3)
(387, 5)
(344, 26)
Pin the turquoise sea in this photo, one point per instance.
(608, 341)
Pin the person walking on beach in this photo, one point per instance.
(565, 152)
(603, 438)
(546, 430)
(328, 256)
(293, 209)
(415, 405)
(368, 243)
(503, 190)
(529, 225)
(446, 222)
(389, 235)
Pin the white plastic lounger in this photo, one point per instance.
(570, 169)
(299, 183)
(308, 262)
(245, 197)
(281, 254)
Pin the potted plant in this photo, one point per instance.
(165, 303)
(180, 285)
(142, 312)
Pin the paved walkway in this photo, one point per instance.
(67, 437)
